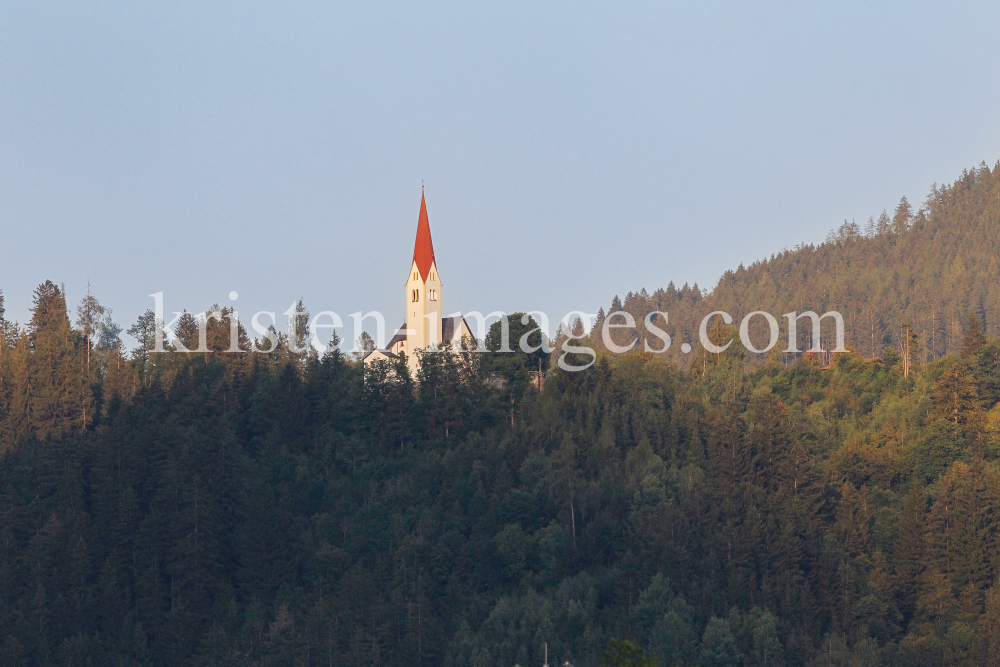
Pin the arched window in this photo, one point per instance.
(416, 295)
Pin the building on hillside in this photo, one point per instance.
(425, 324)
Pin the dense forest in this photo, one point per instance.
(926, 267)
(288, 509)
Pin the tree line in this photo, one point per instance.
(915, 270)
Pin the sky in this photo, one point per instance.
(569, 151)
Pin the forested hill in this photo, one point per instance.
(286, 510)
(928, 267)
(281, 509)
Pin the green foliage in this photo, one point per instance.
(718, 645)
(955, 397)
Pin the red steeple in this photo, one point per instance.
(423, 249)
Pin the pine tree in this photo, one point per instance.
(884, 224)
(298, 333)
(8, 342)
(187, 332)
(616, 304)
(58, 397)
(955, 396)
(909, 549)
(987, 650)
(987, 371)
(975, 506)
(975, 339)
(903, 217)
(718, 645)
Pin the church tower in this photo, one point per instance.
(423, 292)
(425, 324)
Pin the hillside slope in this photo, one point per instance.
(929, 268)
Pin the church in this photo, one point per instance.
(425, 324)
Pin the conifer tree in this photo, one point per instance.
(936, 601)
(616, 304)
(224, 333)
(955, 395)
(59, 398)
(987, 651)
(15, 352)
(399, 405)
(718, 646)
(975, 339)
(884, 224)
(298, 330)
(187, 332)
(910, 549)
(6, 343)
(987, 371)
(903, 217)
(975, 501)
(144, 332)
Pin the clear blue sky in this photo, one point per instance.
(571, 151)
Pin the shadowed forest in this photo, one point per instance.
(287, 509)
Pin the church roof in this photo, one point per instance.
(423, 249)
(450, 334)
(383, 353)
(449, 325)
(400, 335)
